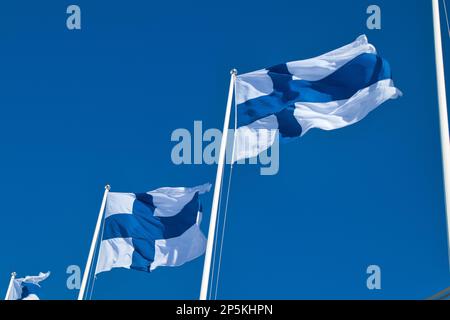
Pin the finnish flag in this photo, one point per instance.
(26, 288)
(328, 92)
(143, 231)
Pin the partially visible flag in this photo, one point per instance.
(328, 92)
(143, 231)
(27, 288)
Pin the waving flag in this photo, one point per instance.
(328, 92)
(143, 231)
(26, 288)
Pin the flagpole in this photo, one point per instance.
(443, 114)
(11, 282)
(87, 269)
(216, 196)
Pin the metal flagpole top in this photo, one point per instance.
(216, 196)
(87, 269)
(10, 285)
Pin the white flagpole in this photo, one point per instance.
(216, 197)
(87, 269)
(443, 114)
(11, 282)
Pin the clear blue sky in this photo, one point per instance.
(81, 109)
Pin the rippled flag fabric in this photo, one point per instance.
(143, 231)
(27, 288)
(328, 92)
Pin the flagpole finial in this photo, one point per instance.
(108, 187)
(233, 71)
